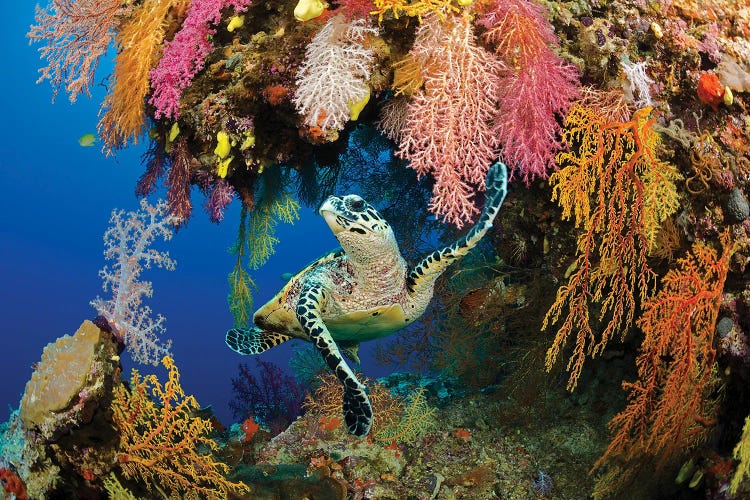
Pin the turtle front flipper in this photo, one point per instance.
(421, 279)
(253, 340)
(357, 409)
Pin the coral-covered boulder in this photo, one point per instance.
(65, 413)
(69, 381)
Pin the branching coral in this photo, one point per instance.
(394, 420)
(447, 132)
(618, 192)
(272, 398)
(741, 453)
(333, 76)
(537, 86)
(240, 283)
(75, 33)
(256, 241)
(139, 40)
(414, 8)
(162, 443)
(185, 55)
(670, 407)
(128, 243)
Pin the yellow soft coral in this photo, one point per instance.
(615, 188)
(741, 453)
(414, 8)
(160, 439)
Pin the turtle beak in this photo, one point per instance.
(328, 211)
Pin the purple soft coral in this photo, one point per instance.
(275, 400)
(219, 198)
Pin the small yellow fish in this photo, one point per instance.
(87, 140)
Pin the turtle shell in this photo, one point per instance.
(279, 314)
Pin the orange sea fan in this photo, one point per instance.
(670, 407)
(139, 39)
(618, 192)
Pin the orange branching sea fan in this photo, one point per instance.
(670, 406)
(618, 192)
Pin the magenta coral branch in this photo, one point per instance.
(538, 87)
(219, 198)
(185, 55)
(527, 125)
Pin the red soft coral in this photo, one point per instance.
(12, 484)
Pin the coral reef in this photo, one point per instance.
(162, 442)
(621, 255)
(616, 189)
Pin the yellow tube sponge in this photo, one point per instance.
(248, 142)
(356, 108)
(223, 145)
(308, 9)
(222, 168)
(235, 22)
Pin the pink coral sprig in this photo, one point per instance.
(447, 131)
(218, 199)
(186, 54)
(538, 87)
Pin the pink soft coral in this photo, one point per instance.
(540, 86)
(447, 131)
(185, 55)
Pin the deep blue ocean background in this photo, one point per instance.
(56, 201)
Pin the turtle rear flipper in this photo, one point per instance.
(357, 412)
(356, 404)
(253, 340)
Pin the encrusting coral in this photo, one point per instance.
(69, 378)
(65, 410)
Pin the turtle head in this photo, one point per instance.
(357, 225)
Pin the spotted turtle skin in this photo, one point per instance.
(360, 292)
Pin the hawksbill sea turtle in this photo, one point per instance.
(360, 292)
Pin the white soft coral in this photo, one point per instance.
(127, 242)
(334, 74)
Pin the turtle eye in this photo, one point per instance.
(357, 204)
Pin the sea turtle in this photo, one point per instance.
(360, 292)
